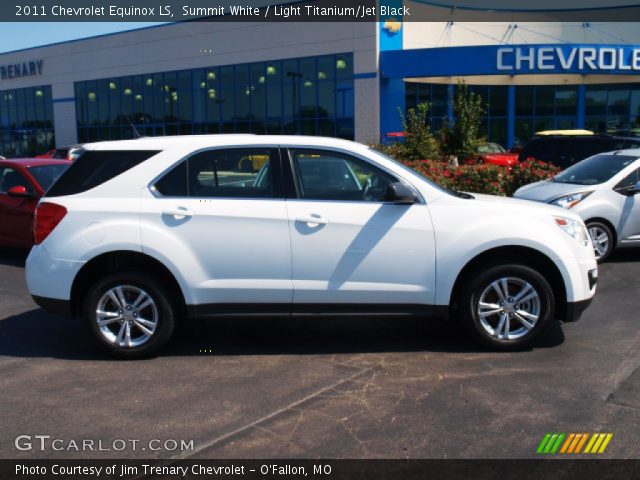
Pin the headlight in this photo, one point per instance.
(571, 200)
(575, 228)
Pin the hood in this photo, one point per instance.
(546, 191)
(502, 157)
(519, 205)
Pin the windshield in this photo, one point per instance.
(595, 170)
(45, 175)
(491, 148)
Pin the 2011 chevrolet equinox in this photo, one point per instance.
(139, 234)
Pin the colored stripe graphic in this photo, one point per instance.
(573, 443)
(550, 443)
(598, 443)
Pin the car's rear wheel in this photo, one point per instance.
(601, 239)
(129, 314)
(505, 307)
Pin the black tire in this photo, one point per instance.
(480, 283)
(163, 311)
(601, 227)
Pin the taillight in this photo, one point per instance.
(48, 216)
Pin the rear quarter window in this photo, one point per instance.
(94, 168)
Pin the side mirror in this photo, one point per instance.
(400, 194)
(636, 188)
(19, 191)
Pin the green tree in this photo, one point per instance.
(419, 142)
(460, 135)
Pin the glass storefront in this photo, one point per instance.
(536, 108)
(26, 121)
(613, 109)
(308, 96)
(610, 108)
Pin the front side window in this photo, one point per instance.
(328, 175)
(235, 173)
(629, 181)
(10, 178)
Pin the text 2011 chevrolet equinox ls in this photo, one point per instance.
(140, 234)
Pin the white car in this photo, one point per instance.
(601, 189)
(140, 234)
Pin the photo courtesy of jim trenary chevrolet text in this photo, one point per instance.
(328, 239)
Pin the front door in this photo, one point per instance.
(348, 245)
(629, 227)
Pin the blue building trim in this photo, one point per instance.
(64, 100)
(511, 116)
(392, 90)
(542, 59)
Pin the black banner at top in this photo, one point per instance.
(315, 10)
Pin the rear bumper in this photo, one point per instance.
(575, 309)
(54, 305)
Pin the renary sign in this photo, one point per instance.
(20, 70)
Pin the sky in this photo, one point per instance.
(19, 35)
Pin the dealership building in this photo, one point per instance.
(343, 79)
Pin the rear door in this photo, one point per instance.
(222, 216)
(350, 247)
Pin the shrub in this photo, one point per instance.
(419, 142)
(523, 173)
(488, 179)
(460, 135)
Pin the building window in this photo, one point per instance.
(26, 121)
(613, 109)
(544, 107)
(310, 96)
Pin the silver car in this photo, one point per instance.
(602, 190)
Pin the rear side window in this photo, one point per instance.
(222, 173)
(94, 168)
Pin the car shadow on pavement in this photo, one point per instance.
(37, 334)
(13, 257)
(623, 255)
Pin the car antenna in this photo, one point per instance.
(136, 133)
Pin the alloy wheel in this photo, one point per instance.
(508, 308)
(599, 240)
(127, 316)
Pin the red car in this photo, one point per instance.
(495, 154)
(22, 182)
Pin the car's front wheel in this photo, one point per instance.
(505, 307)
(601, 239)
(129, 314)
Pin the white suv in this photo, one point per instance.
(139, 234)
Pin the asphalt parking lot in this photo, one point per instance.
(337, 388)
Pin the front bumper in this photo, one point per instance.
(575, 309)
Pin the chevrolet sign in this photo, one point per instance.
(583, 59)
(21, 70)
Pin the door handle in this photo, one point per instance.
(313, 220)
(178, 213)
